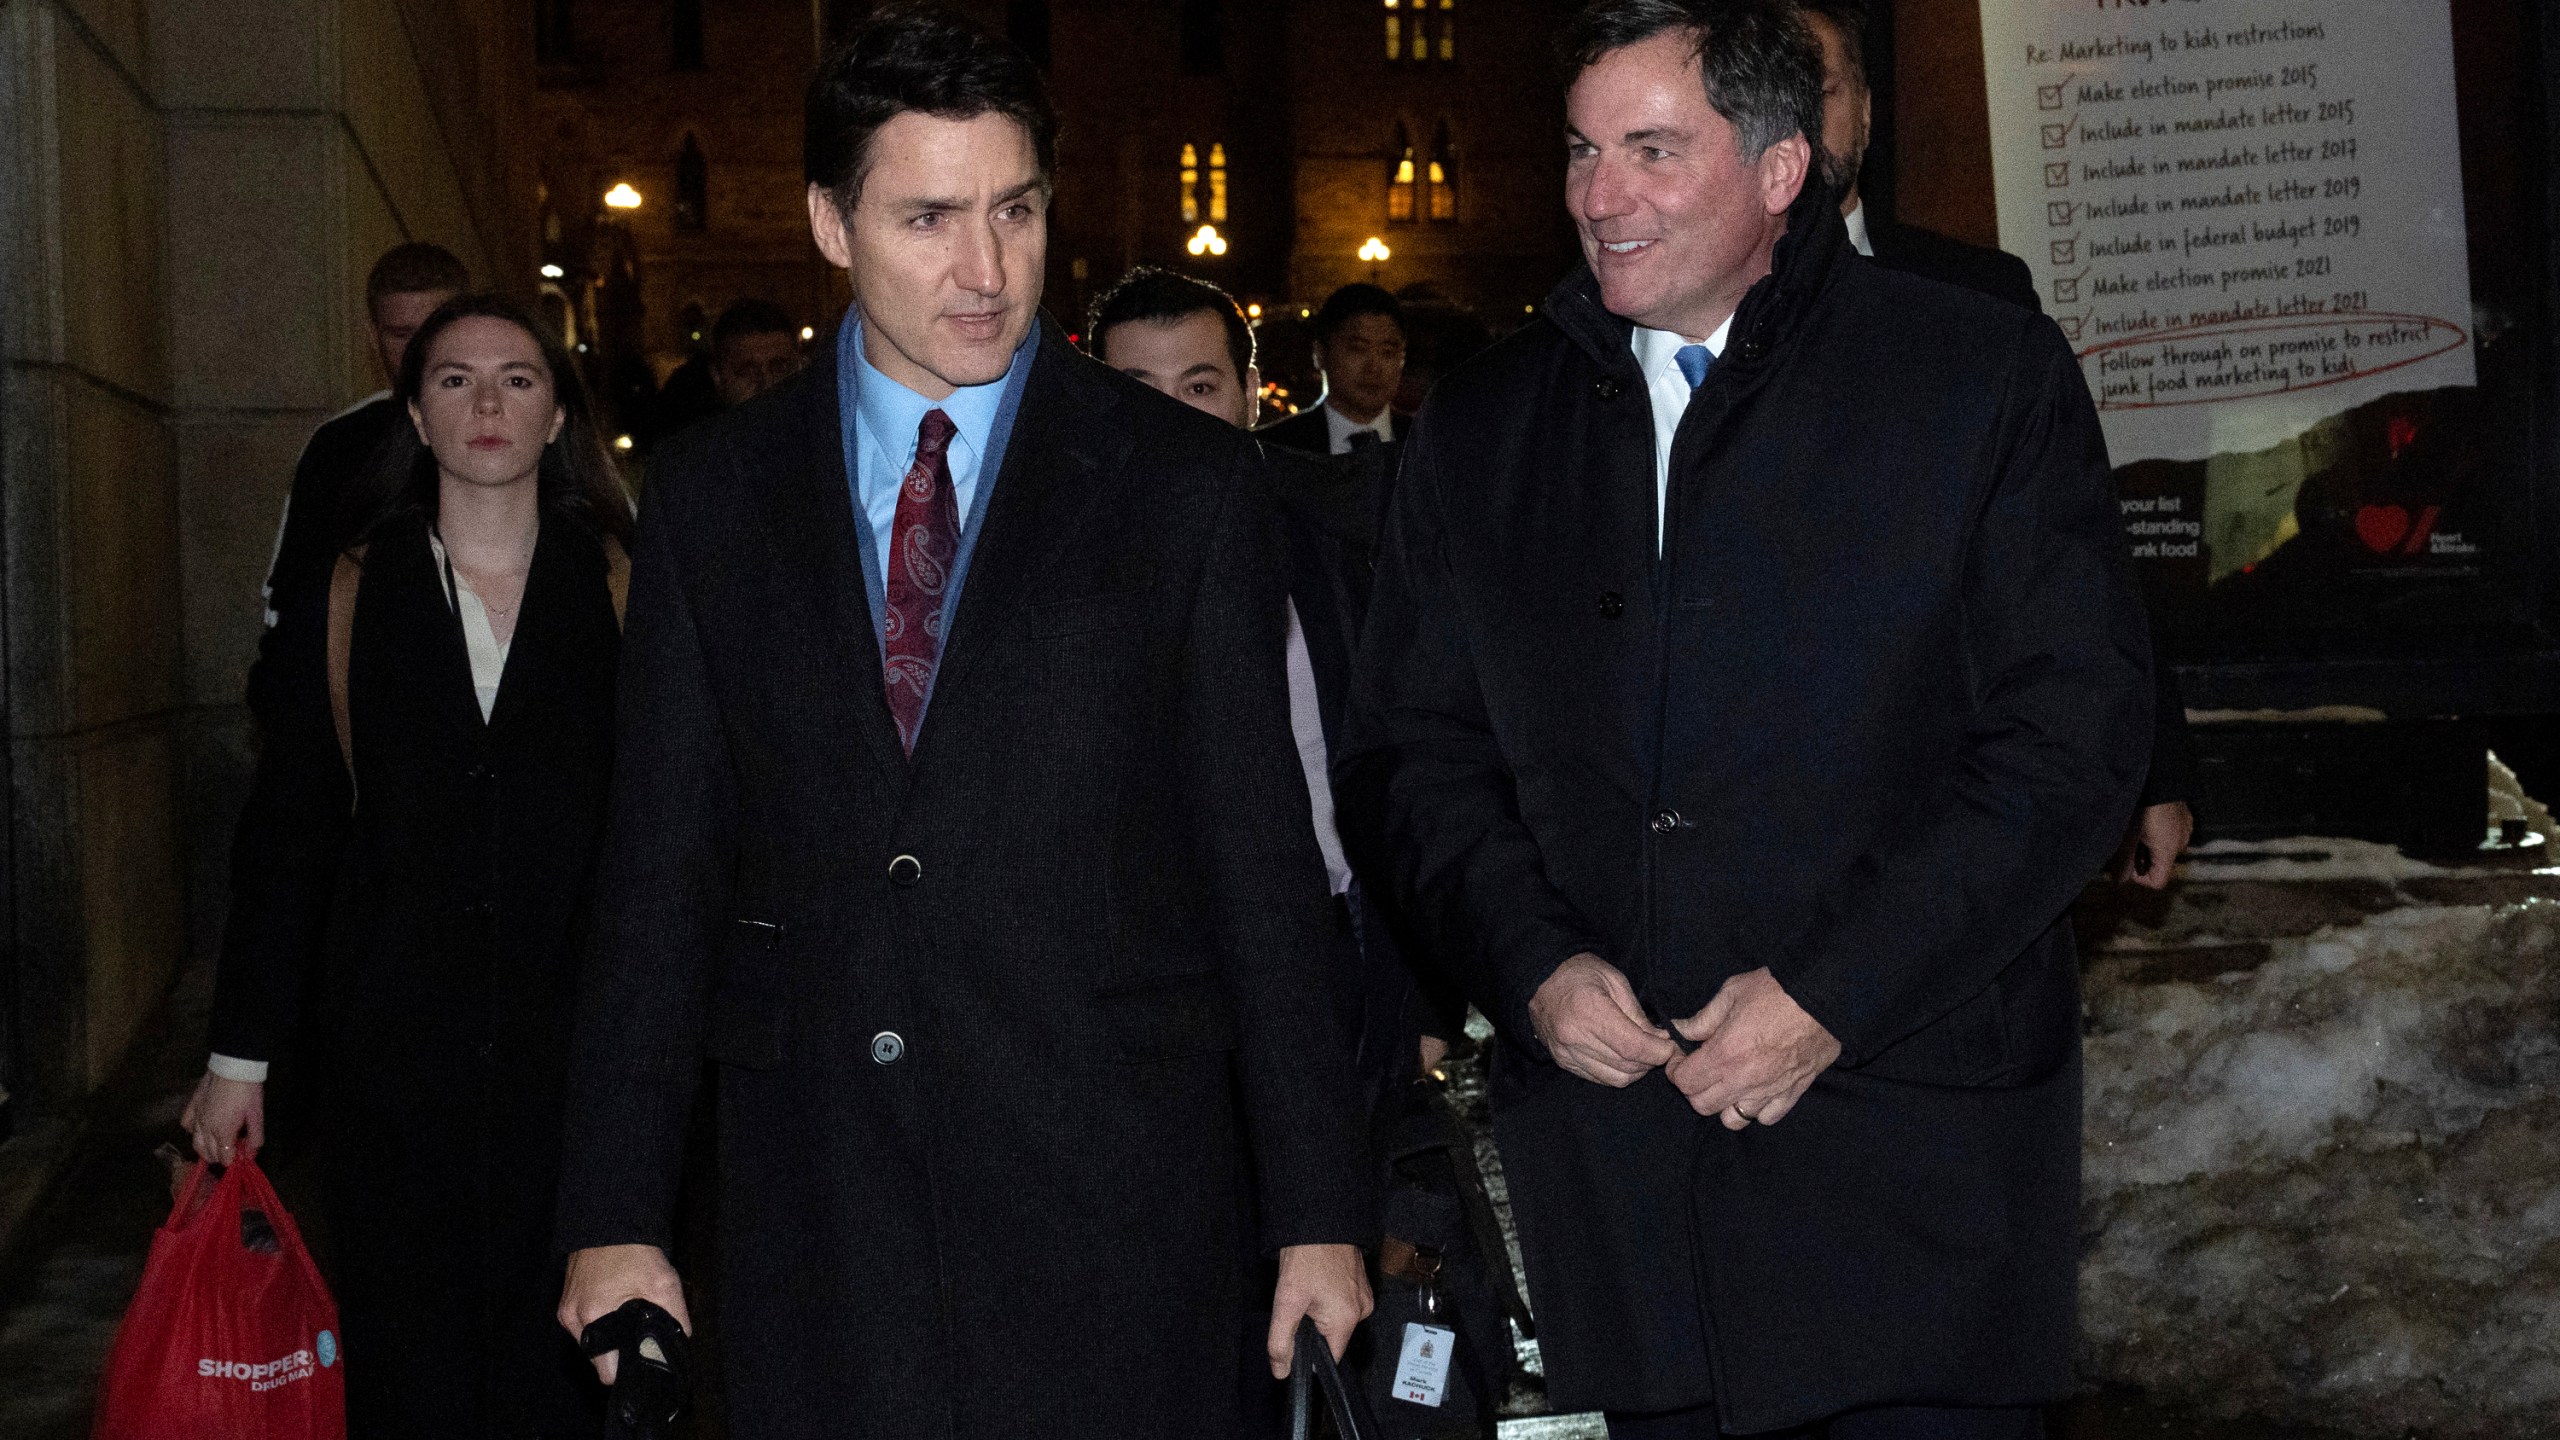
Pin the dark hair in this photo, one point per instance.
(1849, 17)
(1762, 64)
(751, 317)
(1350, 303)
(578, 479)
(412, 269)
(917, 57)
(1163, 296)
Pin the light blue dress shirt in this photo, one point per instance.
(881, 418)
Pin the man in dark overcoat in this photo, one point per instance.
(1751, 682)
(957, 819)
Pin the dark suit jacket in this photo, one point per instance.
(316, 525)
(1872, 720)
(444, 919)
(1304, 431)
(1024, 1049)
(1391, 995)
(2004, 276)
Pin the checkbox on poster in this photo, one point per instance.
(2048, 97)
(2070, 326)
(2066, 292)
(2056, 136)
(2057, 212)
(2066, 252)
(2057, 175)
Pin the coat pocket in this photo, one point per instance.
(1085, 613)
(1169, 1017)
(749, 1019)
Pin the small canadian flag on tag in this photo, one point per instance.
(1422, 1371)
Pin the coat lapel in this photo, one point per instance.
(1064, 439)
(404, 564)
(559, 590)
(819, 531)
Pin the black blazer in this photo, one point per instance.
(2004, 276)
(438, 932)
(1305, 431)
(1872, 720)
(1023, 1046)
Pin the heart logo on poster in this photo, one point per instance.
(2382, 527)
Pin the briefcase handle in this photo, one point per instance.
(1313, 1366)
(653, 1378)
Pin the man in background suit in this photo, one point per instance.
(1360, 350)
(1186, 338)
(2162, 826)
(956, 817)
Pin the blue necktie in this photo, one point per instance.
(1694, 361)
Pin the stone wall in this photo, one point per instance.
(192, 192)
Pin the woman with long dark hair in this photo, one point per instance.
(415, 860)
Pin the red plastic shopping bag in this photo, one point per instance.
(232, 1335)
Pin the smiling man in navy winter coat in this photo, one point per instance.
(1752, 680)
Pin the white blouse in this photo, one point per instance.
(488, 656)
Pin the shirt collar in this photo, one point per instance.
(893, 413)
(1858, 230)
(1657, 351)
(1339, 428)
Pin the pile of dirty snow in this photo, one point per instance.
(2326, 1190)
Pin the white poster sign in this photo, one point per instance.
(2245, 214)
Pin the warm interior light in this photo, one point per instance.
(552, 272)
(1253, 311)
(1207, 241)
(621, 442)
(808, 332)
(1374, 250)
(622, 196)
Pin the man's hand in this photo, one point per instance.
(603, 1276)
(2159, 837)
(1329, 1283)
(1757, 1053)
(1588, 1017)
(1434, 1050)
(221, 1113)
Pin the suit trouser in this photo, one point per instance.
(1891, 1423)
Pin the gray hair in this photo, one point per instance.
(1763, 65)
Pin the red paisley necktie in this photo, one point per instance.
(922, 541)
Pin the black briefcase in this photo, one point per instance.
(1313, 1374)
(1446, 1295)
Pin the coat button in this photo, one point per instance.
(887, 1048)
(904, 871)
(1665, 821)
(1612, 604)
(1606, 388)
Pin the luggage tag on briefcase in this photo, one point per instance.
(1422, 1371)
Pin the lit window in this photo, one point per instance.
(1400, 179)
(1444, 175)
(1448, 30)
(1395, 31)
(1218, 183)
(1190, 184)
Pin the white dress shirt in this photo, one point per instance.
(1340, 427)
(1306, 724)
(1657, 354)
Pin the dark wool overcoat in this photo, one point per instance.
(1871, 720)
(444, 922)
(1024, 1053)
